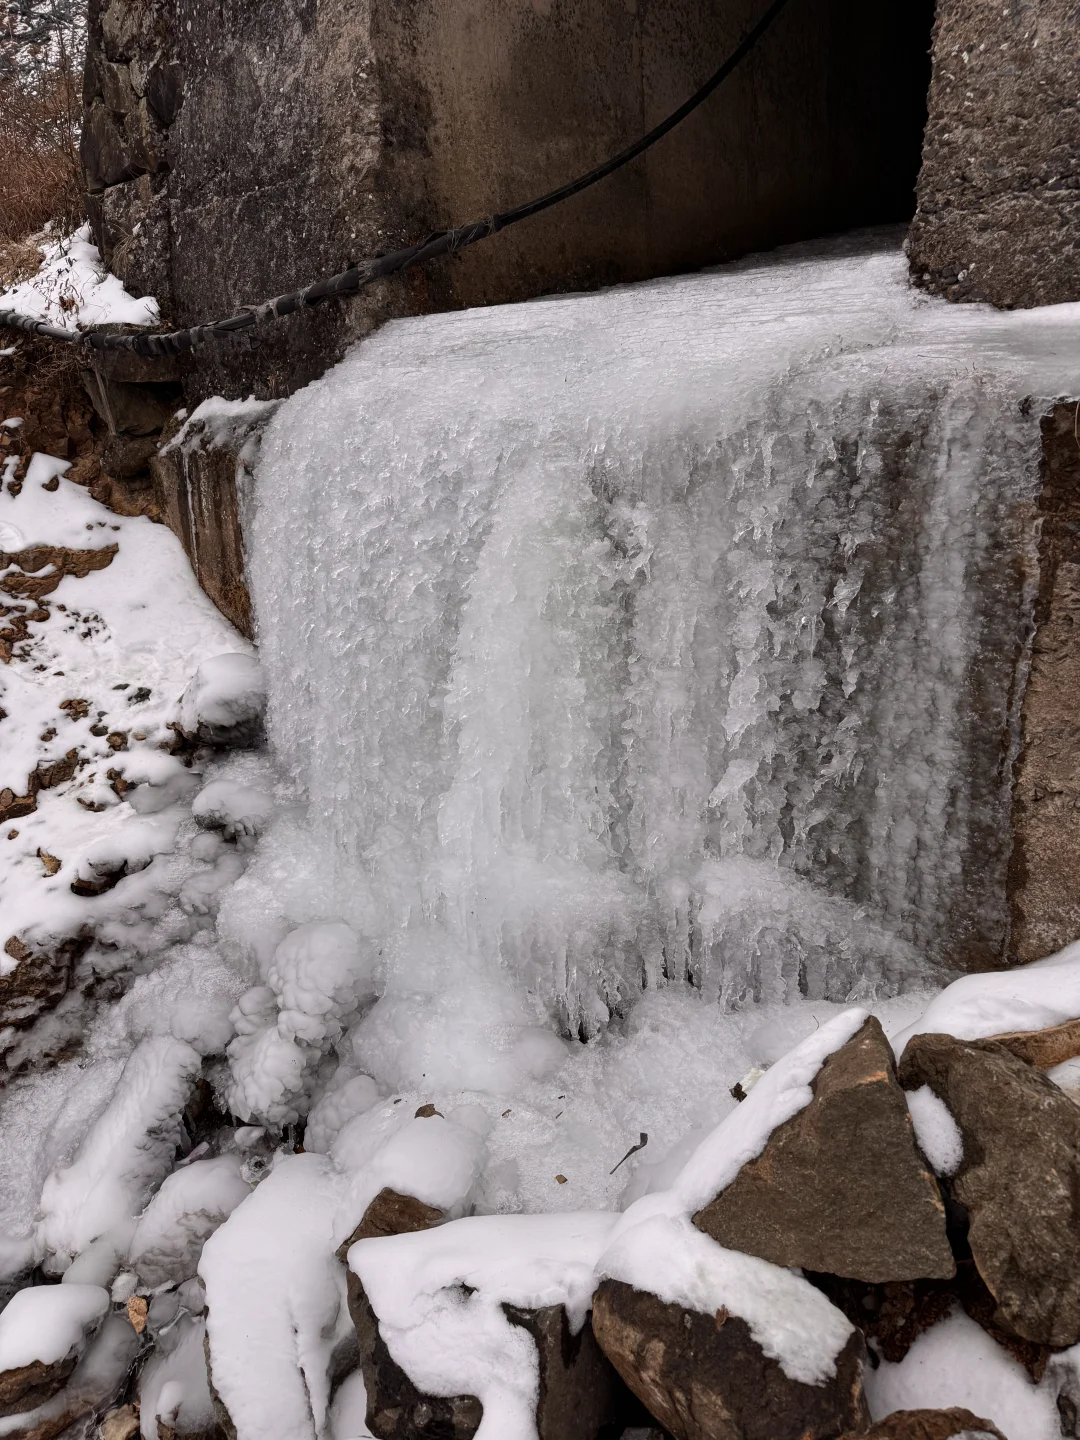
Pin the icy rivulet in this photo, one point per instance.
(667, 632)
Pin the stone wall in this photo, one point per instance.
(1045, 872)
(999, 192)
(237, 150)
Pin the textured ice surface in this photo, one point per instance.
(665, 632)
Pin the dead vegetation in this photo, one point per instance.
(40, 178)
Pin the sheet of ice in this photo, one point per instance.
(275, 1294)
(73, 286)
(453, 1342)
(957, 1363)
(1028, 997)
(615, 651)
(48, 1322)
(182, 1216)
(936, 1131)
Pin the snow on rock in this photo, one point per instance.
(453, 1342)
(665, 1255)
(435, 1160)
(782, 1092)
(957, 1363)
(235, 809)
(1026, 997)
(93, 1384)
(936, 1131)
(185, 1212)
(126, 1154)
(48, 1323)
(173, 1386)
(225, 699)
(275, 1295)
(73, 284)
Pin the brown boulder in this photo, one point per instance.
(954, 1424)
(1018, 1180)
(1042, 1048)
(704, 1377)
(29, 1386)
(841, 1187)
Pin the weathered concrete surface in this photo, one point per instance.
(999, 191)
(201, 475)
(239, 150)
(1044, 878)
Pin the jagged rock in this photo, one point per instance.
(122, 1424)
(1018, 1179)
(39, 981)
(1042, 1048)
(704, 1377)
(392, 1214)
(954, 1424)
(841, 1186)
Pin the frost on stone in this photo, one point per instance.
(225, 700)
(346, 1096)
(316, 980)
(49, 1323)
(185, 1212)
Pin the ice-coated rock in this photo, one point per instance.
(224, 701)
(840, 1187)
(185, 1212)
(237, 810)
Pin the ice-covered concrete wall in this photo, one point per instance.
(238, 150)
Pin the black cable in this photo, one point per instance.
(445, 242)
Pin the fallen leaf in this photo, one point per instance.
(51, 863)
(136, 1313)
(560, 1179)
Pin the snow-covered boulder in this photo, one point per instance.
(185, 1212)
(225, 701)
(43, 1331)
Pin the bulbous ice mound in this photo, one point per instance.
(666, 632)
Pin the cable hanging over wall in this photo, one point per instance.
(357, 277)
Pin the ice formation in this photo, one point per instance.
(658, 633)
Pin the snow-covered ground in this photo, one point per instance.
(532, 750)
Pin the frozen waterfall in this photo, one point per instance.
(668, 632)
